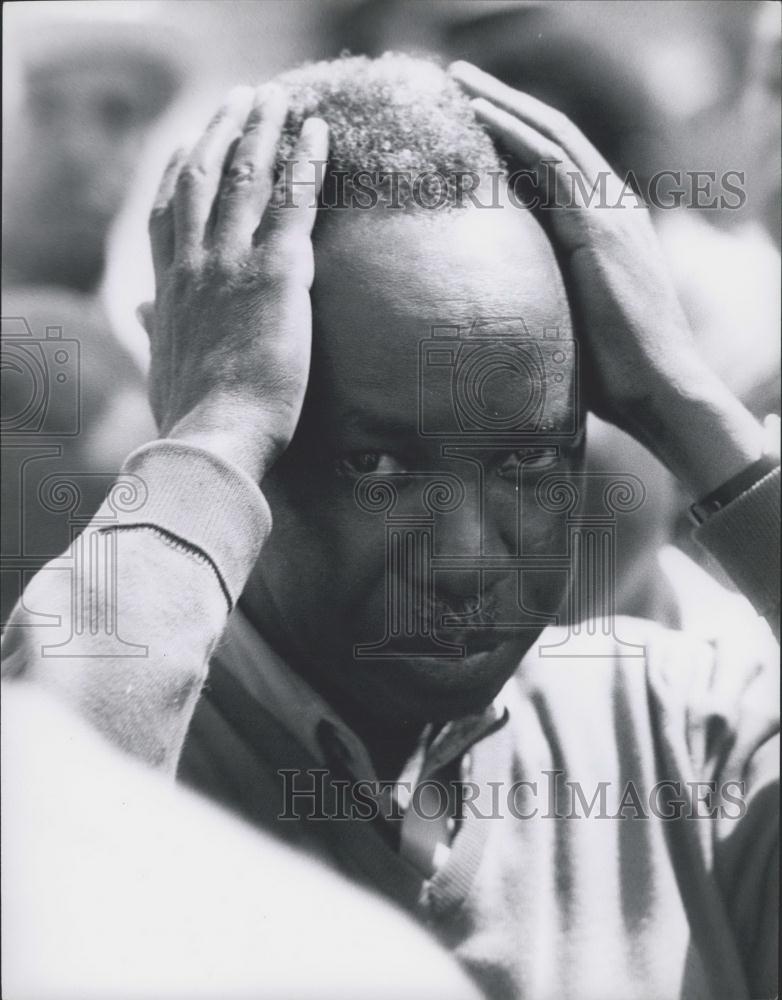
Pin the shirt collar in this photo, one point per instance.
(270, 681)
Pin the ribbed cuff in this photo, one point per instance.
(198, 498)
(744, 538)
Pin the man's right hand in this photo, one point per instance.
(230, 329)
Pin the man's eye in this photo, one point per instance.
(532, 460)
(360, 463)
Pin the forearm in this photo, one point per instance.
(697, 428)
(706, 436)
(123, 625)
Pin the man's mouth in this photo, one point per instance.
(479, 634)
(446, 630)
(472, 624)
(474, 640)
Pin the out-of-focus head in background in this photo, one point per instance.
(87, 88)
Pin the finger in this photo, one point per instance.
(562, 182)
(552, 168)
(246, 186)
(298, 206)
(199, 178)
(552, 124)
(161, 217)
(522, 141)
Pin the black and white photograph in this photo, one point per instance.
(390, 439)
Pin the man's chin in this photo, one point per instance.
(450, 684)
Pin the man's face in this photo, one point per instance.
(404, 499)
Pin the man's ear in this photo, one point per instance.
(145, 313)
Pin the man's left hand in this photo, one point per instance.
(643, 372)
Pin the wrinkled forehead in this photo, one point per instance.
(474, 292)
(497, 253)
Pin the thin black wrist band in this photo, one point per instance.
(733, 488)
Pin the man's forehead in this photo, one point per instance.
(497, 258)
(490, 378)
(386, 285)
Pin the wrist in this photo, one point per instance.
(237, 432)
(701, 431)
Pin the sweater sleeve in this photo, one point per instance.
(736, 723)
(123, 624)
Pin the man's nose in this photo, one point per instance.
(462, 537)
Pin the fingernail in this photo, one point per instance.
(312, 126)
(237, 94)
(270, 93)
(462, 68)
(237, 103)
(481, 104)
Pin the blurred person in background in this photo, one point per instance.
(135, 922)
(85, 91)
(89, 93)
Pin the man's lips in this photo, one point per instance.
(474, 640)
(445, 629)
(458, 641)
(471, 625)
(477, 633)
